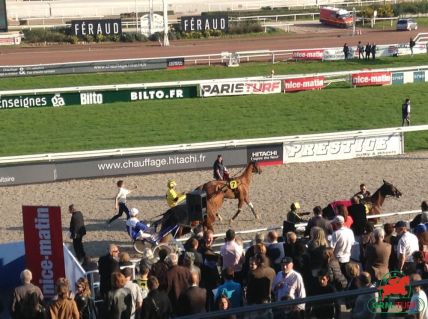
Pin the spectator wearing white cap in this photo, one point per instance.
(407, 245)
(341, 242)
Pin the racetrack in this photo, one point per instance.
(306, 36)
(272, 192)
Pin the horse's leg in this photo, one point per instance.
(219, 217)
(240, 204)
(253, 210)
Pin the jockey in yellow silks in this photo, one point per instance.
(172, 197)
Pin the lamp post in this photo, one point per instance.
(165, 24)
(136, 16)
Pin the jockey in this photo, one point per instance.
(172, 197)
(136, 229)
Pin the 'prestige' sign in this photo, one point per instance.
(82, 28)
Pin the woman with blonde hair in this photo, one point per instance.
(83, 300)
(64, 307)
(317, 238)
(316, 247)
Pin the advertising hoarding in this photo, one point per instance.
(308, 55)
(342, 148)
(44, 253)
(82, 28)
(371, 78)
(240, 88)
(204, 22)
(304, 84)
(83, 67)
(95, 97)
(271, 154)
(419, 76)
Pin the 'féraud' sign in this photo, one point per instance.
(371, 78)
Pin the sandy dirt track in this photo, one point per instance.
(307, 36)
(272, 192)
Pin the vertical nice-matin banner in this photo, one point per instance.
(44, 253)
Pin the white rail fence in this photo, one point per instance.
(52, 157)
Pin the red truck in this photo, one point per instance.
(336, 17)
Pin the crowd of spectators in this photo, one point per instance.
(328, 256)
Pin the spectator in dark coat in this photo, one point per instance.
(258, 239)
(77, 231)
(259, 281)
(178, 279)
(156, 305)
(319, 221)
(368, 51)
(295, 249)
(377, 256)
(275, 250)
(107, 265)
(393, 241)
(210, 278)
(373, 50)
(193, 300)
(159, 270)
(192, 246)
(316, 246)
(324, 309)
(358, 213)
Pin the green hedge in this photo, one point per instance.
(62, 35)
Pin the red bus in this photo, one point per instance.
(336, 17)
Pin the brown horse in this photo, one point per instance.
(236, 187)
(377, 199)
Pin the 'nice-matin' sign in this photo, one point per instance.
(83, 28)
(202, 23)
(44, 254)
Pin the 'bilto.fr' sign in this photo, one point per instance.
(202, 23)
(83, 28)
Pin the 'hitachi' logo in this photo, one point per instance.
(264, 153)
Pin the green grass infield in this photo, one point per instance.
(148, 123)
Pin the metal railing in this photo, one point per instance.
(287, 304)
(51, 157)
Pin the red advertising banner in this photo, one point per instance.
(304, 84)
(44, 253)
(308, 55)
(371, 78)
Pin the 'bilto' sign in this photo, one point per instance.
(202, 23)
(83, 28)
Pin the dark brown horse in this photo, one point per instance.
(377, 199)
(236, 188)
